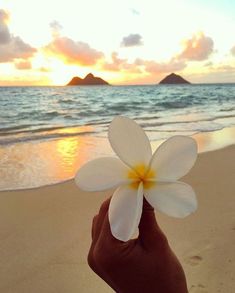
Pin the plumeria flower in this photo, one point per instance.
(138, 174)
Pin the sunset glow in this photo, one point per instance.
(124, 42)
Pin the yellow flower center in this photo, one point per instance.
(141, 173)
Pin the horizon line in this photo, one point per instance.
(144, 84)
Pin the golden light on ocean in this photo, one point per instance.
(70, 152)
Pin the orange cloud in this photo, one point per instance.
(12, 47)
(23, 65)
(120, 64)
(4, 16)
(154, 67)
(197, 48)
(73, 52)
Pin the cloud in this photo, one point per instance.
(15, 49)
(132, 40)
(154, 67)
(4, 16)
(233, 50)
(73, 52)
(4, 32)
(120, 64)
(197, 48)
(23, 65)
(134, 11)
(12, 47)
(56, 28)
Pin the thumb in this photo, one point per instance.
(150, 234)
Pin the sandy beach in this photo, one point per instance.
(45, 234)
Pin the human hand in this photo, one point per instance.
(143, 265)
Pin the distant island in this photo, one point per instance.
(90, 79)
(174, 79)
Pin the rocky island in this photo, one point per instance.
(90, 79)
(174, 79)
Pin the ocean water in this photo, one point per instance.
(41, 113)
(33, 120)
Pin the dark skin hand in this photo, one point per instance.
(143, 265)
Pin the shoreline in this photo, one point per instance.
(45, 233)
(54, 162)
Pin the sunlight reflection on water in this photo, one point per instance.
(28, 165)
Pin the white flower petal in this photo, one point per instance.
(174, 158)
(129, 142)
(176, 199)
(101, 174)
(125, 210)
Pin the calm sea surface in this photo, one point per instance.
(33, 118)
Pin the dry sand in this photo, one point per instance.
(45, 234)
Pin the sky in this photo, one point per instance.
(124, 42)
